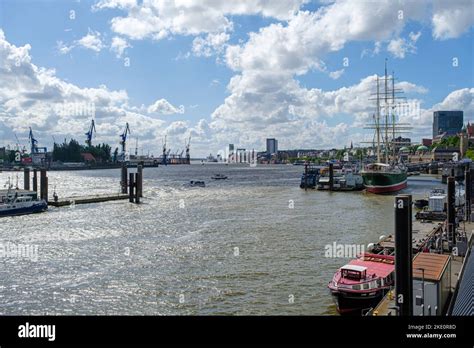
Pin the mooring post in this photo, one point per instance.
(137, 195)
(26, 179)
(451, 212)
(43, 185)
(306, 175)
(131, 184)
(467, 201)
(403, 255)
(35, 181)
(140, 181)
(331, 176)
(123, 180)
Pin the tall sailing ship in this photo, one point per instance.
(388, 174)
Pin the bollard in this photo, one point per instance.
(451, 212)
(403, 255)
(131, 184)
(26, 179)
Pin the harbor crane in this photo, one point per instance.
(33, 141)
(123, 137)
(165, 154)
(90, 133)
(188, 157)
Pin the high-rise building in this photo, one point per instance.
(272, 146)
(449, 122)
(230, 153)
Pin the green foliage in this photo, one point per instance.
(452, 141)
(470, 154)
(71, 151)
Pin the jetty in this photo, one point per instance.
(131, 189)
(431, 259)
(88, 199)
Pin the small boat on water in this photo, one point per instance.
(362, 283)
(219, 177)
(193, 183)
(342, 181)
(13, 204)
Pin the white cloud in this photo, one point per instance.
(210, 45)
(399, 47)
(120, 4)
(336, 74)
(159, 19)
(91, 41)
(414, 36)
(118, 46)
(452, 18)
(163, 107)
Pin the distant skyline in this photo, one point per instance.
(227, 72)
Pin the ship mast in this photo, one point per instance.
(377, 121)
(393, 115)
(386, 114)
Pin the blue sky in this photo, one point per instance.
(169, 69)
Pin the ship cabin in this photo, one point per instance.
(354, 272)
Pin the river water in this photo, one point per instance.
(250, 245)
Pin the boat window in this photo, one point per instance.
(356, 287)
(365, 286)
(351, 274)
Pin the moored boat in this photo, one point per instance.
(362, 283)
(310, 177)
(384, 178)
(21, 206)
(219, 177)
(194, 183)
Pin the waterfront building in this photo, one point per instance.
(427, 142)
(449, 122)
(272, 146)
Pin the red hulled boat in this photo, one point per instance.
(363, 282)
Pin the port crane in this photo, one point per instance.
(188, 157)
(90, 133)
(123, 137)
(33, 141)
(165, 154)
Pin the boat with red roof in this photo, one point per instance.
(363, 282)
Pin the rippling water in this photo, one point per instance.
(252, 244)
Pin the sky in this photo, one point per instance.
(225, 72)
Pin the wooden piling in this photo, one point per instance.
(131, 186)
(139, 181)
(331, 176)
(43, 185)
(26, 179)
(124, 176)
(35, 181)
(306, 176)
(403, 255)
